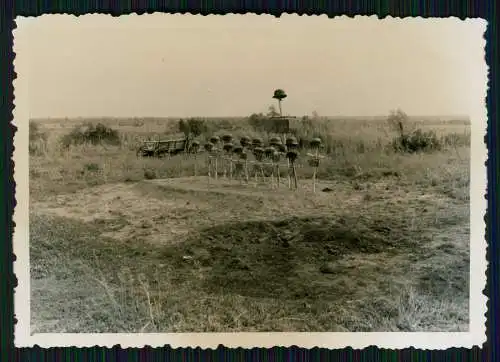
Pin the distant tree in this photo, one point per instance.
(192, 127)
(315, 115)
(257, 121)
(398, 120)
(279, 94)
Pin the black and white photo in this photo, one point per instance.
(249, 180)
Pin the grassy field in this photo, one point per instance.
(386, 249)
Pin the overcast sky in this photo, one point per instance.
(184, 65)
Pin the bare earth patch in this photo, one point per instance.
(182, 255)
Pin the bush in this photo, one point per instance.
(258, 122)
(94, 134)
(192, 127)
(413, 141)
(416, 141)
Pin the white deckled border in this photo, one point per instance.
(475, 337)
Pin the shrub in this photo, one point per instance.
(413, 141)
(192, 127)
(258, 122)
(398, 121)
(94, 134)
(416, 141)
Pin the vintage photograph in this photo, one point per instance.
(247, 173)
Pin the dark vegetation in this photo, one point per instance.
(192, 127)
(90, 133)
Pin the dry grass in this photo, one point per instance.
(386, 250)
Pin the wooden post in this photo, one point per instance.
(315, 159)
(292, 172)
(194, 157)
(240, 171)
(314, 180)
(240, 167)
(246, 170)
(272, 174)
(230, 167)
(295, 176)
(316, 164)
(216, 170)
(209, 164)
(278, 176)
(224, 166)
(289, 179)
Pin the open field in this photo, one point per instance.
(386, 249)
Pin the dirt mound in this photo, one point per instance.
(285, 259)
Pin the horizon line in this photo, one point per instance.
(458, 116)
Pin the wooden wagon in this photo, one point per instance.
(161, 148)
